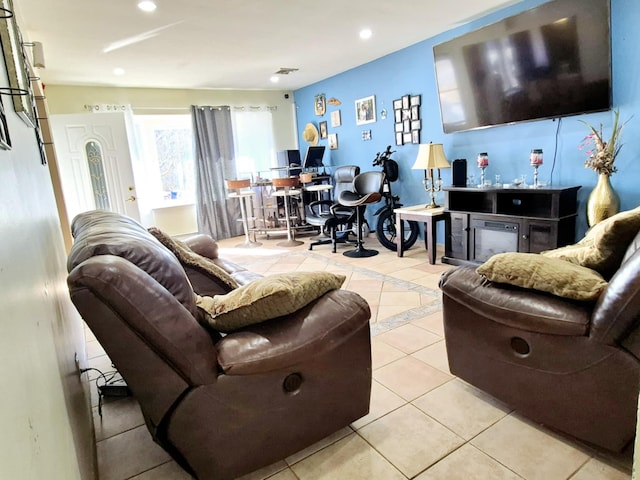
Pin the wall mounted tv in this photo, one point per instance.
(551, 61)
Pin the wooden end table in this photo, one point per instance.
(419, 213)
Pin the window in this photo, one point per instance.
(253, 143)
(166, 154)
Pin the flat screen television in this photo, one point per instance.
(313, 158)
(547, 62)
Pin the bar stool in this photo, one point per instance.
(286, 183)
(235, 191)
(368, 187)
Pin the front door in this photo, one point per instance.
(95, 162)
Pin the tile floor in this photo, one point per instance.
(424, 423)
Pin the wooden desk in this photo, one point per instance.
(419, 213)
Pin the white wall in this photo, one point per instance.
(45, 412)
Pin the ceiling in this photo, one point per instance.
(228, 44)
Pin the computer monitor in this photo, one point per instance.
(313, 158)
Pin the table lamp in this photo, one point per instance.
(431, 156)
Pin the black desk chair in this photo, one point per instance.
(367, 189)
(329, 215)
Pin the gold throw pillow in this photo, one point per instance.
(551, 275)
(266, 298)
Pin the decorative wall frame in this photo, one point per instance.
(333, 141)
(336, 118)
(17, 67)
(319, 105)
(5, 139)
(407, 124)
(323, 129)
(365, 110)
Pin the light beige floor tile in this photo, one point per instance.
(365, 286)
(462, 408)
(94, 349)
(409, 338)
(117, 417)
(316, 447)
(129, 454)
(410, 378)
(429, 299)
(409, 299)
(382, 353)
(468, 463)
(167, 471)
(594, 469)
(265, 472)
(432, 322)
(349, 459)
(528, 450)
(429, 280)
(382, 402)
(435, 355)
(410, 439)
(408, 274)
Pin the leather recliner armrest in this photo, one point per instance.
(285, 341)
(514, 306)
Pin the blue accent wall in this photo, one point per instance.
(411, 71)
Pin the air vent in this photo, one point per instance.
(286, 71)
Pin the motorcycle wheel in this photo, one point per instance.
(386, 231)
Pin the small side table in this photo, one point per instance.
(419, 213)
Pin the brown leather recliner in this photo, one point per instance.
(222, 406)
(572, 366)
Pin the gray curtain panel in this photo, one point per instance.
(215, 162)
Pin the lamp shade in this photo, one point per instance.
(430, 155)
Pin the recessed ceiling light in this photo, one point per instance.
(365, 34)
(118, 71)
(147, 6)
(274, 79)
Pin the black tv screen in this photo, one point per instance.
(551, 61)
(313, 158)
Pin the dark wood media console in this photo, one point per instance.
(486, 221)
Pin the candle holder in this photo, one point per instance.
(536, 160)
(483, 163)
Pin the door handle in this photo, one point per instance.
(131, 199)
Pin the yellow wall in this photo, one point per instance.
(156, 101)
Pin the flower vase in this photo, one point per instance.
(603, 201)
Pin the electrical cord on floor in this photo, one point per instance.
(108, 384)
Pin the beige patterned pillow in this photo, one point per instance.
(551, 275)
(604, 245)
(188, 257)
(266, 298)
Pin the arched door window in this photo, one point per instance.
(95, 161)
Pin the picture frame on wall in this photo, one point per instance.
(336, 118)
(399, 137)
(406, 102)
(415, 112)
(398, 116)
(415, 136)
(397, 104)
(17, 68)
(5, 139)
(333, 141)
(365, 110)
(323, 130)
(415, 100)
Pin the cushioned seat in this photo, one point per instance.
(573, 365)
(220, 405)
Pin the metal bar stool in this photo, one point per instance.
(286, 184)
(235, 191)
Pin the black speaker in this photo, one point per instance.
(459, 172)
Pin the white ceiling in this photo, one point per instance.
(233, 44)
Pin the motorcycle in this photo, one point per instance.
(386, 223)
